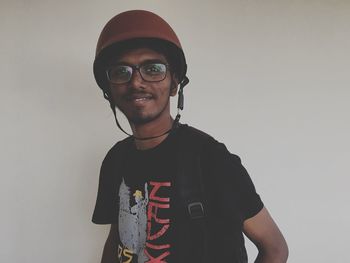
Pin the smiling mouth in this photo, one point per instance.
(139, 99)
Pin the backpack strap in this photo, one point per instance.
(192, 231)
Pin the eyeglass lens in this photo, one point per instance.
(151, 72)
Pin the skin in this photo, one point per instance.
(265, 234)
(152, 117)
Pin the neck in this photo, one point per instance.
(154, 128)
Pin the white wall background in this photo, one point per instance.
(280, 100)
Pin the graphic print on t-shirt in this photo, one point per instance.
(141, 225)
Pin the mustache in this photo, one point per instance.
(136, 94)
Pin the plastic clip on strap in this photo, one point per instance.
(180, 101)
(196, 210)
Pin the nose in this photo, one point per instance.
(136, 80)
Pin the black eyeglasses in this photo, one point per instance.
(151, 72)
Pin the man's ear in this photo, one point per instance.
(174, 85)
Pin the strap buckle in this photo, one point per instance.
(196, 210)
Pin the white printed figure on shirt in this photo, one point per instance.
(142, 225)
(133, 220)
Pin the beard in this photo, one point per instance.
(139, 117)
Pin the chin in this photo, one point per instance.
(142, 116)
(142, 119)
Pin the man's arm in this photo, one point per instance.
(264, 233)
(109, 254)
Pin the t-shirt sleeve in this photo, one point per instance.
(236, 190)
(106, 202)
(251, 202)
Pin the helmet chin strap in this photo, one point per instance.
(180, 106)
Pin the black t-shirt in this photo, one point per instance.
(138, 195)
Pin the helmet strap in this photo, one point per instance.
(180, 100)
(133, 136)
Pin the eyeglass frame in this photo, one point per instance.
(137, 68)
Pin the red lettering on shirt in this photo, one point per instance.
(156, 186)
(156, 226)
(158, 259)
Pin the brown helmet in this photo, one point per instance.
(133, 25)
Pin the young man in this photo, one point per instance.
(170, 192)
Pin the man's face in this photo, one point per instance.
(139, 100)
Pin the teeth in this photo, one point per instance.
(140, 99)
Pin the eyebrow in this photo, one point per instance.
(147, 61)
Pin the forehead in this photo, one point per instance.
(138, 55)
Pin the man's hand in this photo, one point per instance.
(264, 233)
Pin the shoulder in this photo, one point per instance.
(192, 132)
(211, 148)
(114, 156)
(119, 148)
(194, 137)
